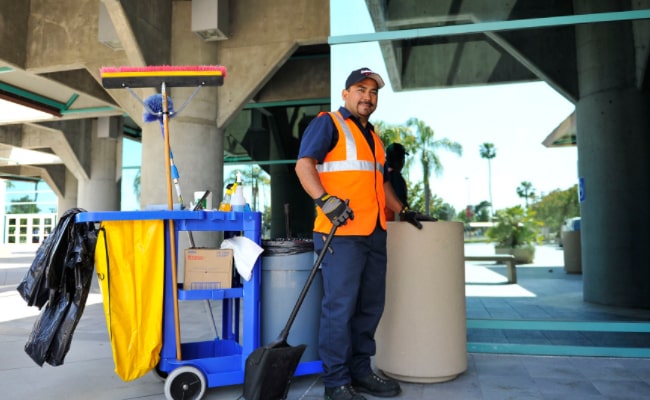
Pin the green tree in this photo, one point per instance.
(137, 185)
(397, 134)
(488, 151)
(427, 146)
(391, 133)
(441, 209)
(415, 195)
(515, 227)
(557, 206)
(526, 191)
(253, 177)
(23, 205)
(462, 217)
(482, 211)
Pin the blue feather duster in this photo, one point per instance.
(154, 103)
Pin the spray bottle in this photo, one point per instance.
(237, 201)
(225, 204)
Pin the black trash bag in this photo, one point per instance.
(80, 265)
(63, 244)
(60, 279)
(46, 327)
(283, 246)
(33, 287)
(45, 271)
(60, 344)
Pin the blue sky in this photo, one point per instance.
(131, 161)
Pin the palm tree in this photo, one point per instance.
(397, 134)
(36, 191)
(488, 151)
(426, 146)
(137, 184)
(526, 191)
(482, 211)
(253, 176)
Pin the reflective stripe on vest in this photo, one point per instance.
(350, 163)
(351, 170)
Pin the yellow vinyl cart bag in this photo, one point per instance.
(130, 265)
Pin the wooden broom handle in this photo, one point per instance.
(172, 235)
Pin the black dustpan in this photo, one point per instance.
(269, 369)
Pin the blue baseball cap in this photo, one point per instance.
(360, 74)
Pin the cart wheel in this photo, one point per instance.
(160, 374)
(185, 383)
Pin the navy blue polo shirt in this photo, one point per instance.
(321, 136)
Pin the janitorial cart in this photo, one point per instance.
(192, 367)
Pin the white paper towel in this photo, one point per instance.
(246, 253)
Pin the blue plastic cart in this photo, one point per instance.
(221, 361)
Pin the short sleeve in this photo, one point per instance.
(318, 138)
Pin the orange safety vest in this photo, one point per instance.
(351, 171)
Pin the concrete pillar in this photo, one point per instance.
(68, 199)
(196, 142)
(102, 191)
(613, 123)
(198, 156)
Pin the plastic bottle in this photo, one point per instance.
(225, 204)
(237, 201)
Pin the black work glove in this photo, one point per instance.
(408, 215)
(424, 217)
(335, 209)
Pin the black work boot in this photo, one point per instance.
(345, 392)
(377, 386)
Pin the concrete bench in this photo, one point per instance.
(508, 259)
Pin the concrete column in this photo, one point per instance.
(68, 199)
(198, 156)
(102, 191)
(613, 123)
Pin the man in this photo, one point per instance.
(395, 158)
(341, 159)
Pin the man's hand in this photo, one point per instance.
(424, 217)
(335, 209)
(406, 214)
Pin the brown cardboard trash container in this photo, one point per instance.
(572, 252)
(422, 336)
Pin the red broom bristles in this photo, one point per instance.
(171, 75)
(166, 68)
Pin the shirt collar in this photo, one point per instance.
(345, 113)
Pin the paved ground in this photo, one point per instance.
(543, 291)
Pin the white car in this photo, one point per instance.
(569, 225)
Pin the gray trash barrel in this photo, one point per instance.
(286, 265)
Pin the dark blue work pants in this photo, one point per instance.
(354, 292)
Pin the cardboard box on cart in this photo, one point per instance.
(208, 268)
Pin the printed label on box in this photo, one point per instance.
(207, 269)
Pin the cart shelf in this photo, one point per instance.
(213, 294)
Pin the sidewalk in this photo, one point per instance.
(88, 369)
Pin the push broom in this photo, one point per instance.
(164, 77)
